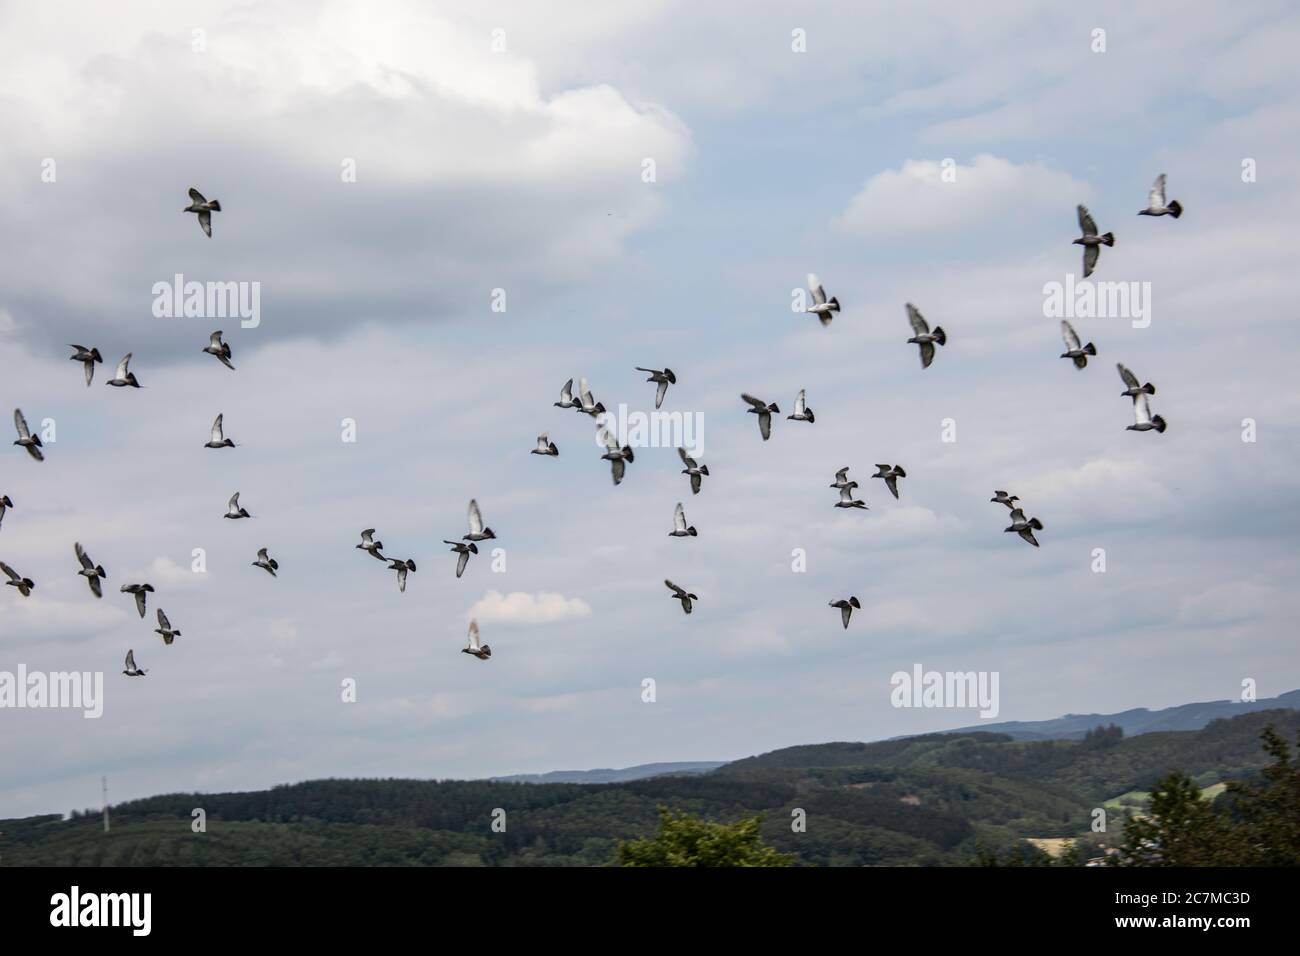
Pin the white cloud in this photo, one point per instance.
(521, 607)
(918, 200)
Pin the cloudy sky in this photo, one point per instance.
(503, 146)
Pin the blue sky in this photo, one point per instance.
(521, 170)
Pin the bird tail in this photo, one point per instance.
(1090, 349)
(1109, 239)
(940, 335)
(600, 408)
(834, 303)
(215, 205)
(809, 413)
(704, 469)
(1149, 388)
(773, 409)
(691, 531)
(627, 452)
(1158, 422)
(854, 602)
(1175, 208)
(99, 570)
(1035, 524)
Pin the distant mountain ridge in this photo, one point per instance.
(607, 775)
(1136, 721)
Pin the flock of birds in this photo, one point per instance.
(823, 307)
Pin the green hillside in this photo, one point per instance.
(935, 800)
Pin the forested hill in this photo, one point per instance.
(929, 800)
(1136, 721)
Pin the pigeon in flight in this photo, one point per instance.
(680, 529)
(566, 397)
(25, 438)
(401, 567)
(1025, 527)
(588, 405)
(1002, 498)
(165, 628)
(233, 509)
(764, 412)
(802, 413)
(847, 500)
(204, 208)
(139, 590)
(464, 551)
(218, 439)
(88, 358)
(123, 378)
(370, 545)
(1090, 241)
(1131, 387)
(1156, 205)
(822, 307)
(5, 502)
(131, 669)
(922, 336)
(219, 349)
(618, 458)
(664, 378)
(846, 609)
(474, 645)
(1073, 350)
(891, 476)
(1143, 420)
(476, 530)
(681, 595)
(266, 563)
(842, 479)
(91, 571)
(693, 468)
(545, 447)
(24, 585)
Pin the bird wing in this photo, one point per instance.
(679, 517)
(756, 402)
(607, 438)
(121, 366)
(696, 481)
(461, 562)
(13, 575)
(233, 504)
(475, 518)
(368, 536)
(660, 392)
(262, 555)
(842, 473)
(677, 592)
(815, 287)
(1017, 515)
(585, 392)
(1086, 222)
(542, 444)
(919, 325)
(765, 424)
(1090, 254)
(216, 429)
(90, 371)
(846, 494)
(617, 468)
(139, 600)
(214, 340)
(1071, 337)
(799, 402)
(165, 624)
(1156, 200)
(20, 423)
(927, 354)
(687, 460)
(205, 220)
(474, 641)
(1141, 408)
(130, 655)
(1128, 377)
(95, 587)
(196, 196)
(83, 557)
(845, 611)
(891, 481)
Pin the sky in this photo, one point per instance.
(389, 171)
